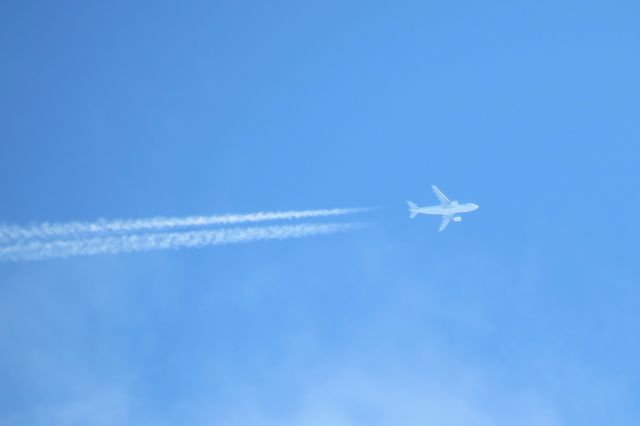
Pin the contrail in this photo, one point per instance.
(104, 227)
(38, 250)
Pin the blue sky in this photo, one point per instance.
(525, 313)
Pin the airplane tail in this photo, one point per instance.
(413, 209)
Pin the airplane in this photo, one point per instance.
(447, 209)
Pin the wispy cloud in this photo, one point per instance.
(104, 227)
(38, 250)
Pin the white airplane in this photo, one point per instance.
(447, 209)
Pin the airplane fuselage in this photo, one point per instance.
(447, 210)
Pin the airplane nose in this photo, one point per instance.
(475, 206)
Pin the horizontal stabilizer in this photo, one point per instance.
(413, 209)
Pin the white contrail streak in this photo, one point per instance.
(38, 250)
(104, 227)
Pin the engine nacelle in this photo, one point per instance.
(457, 219)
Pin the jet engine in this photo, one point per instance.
(457, 219)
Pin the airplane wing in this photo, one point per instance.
(440, 195)
(444, 223)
